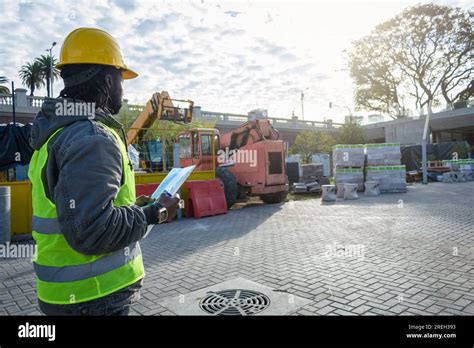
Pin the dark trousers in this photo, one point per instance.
(117, 303)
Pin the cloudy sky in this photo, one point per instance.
(226, 56)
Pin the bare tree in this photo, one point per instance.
(424, 52)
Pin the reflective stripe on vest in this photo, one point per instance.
(63, 275)
(78, 272)
(46, 225)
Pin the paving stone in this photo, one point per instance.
(397, 309)
(462, 302)
(407, 252)
(361, 309)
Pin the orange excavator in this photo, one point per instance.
(249, 160)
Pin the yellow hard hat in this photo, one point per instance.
(93, 46)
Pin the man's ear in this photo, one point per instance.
(109, 81)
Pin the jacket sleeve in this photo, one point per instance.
(90, 170)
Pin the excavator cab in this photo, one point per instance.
(199, 147)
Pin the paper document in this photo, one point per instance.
(173, 181)
(171, 184)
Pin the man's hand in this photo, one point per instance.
(143, 200)
(170, 203)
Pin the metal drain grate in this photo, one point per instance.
(228, 298)
(234, 302)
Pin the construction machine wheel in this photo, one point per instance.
(230, 185)
(273, 198)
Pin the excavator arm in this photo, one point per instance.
(250, 132)
(159, 107)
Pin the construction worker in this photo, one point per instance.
(86, 219)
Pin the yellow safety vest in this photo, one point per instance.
(63, 275)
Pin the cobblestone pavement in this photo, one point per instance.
(394, 254)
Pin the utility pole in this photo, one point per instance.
(302, 106)
(424, 164)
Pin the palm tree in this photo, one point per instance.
(45, 63)
(32, 76)
(4, 89)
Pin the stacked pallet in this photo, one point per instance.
(390, 178)
(349, 164)
(350, 176)
(348, 156)
(460, 170)
(301, 187)
(311, 176)
(384, 154)
(383, 166)
(311, 172)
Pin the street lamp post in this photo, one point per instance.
(332, 105)
(302, 101)
(302, 107)
(51, 69)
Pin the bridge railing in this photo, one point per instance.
(277, 122)
(22, 100)
(6, 99)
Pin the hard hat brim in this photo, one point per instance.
(128, 74)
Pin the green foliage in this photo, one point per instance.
(350, 133)
(31, 76)
(4, 89)
(44, 61)
(423, 53)
(36, 74)
(309, 142)
(126, 116)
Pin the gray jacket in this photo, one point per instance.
(85, 165)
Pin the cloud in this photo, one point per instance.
(126, 5)
(233, 13)
(227, 58)
(232, 32)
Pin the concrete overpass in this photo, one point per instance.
(288, 128)
(449, 125)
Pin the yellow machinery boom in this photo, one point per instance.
(159, 107)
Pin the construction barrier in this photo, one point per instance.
(145, 189)
(206, 198)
